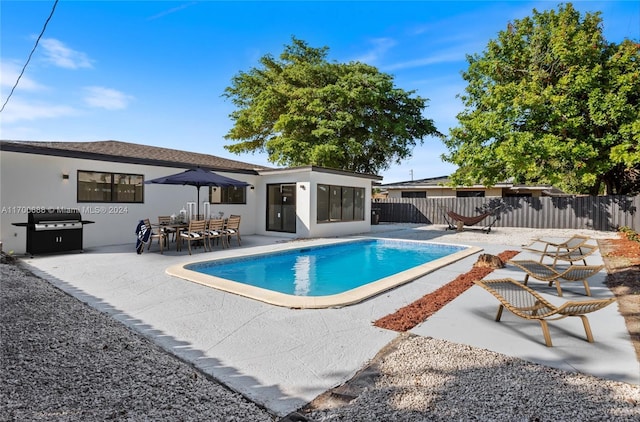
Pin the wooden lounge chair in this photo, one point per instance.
(469, 221)
(543, 272)
(567, 254)
(567, 245)
(528, 304)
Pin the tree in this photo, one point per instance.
(551, 101)
(304, 110)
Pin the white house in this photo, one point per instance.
(104, 180)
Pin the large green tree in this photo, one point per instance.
(303, 110)
(551, 101)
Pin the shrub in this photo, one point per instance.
(629, 233)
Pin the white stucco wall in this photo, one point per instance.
(306, 202)
(30, 181)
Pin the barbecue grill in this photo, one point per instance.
(54, 231)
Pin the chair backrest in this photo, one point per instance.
(164, 219)
(581, 272)
(576, 241)
(233, 222)
(147, 223)
(197, 226)
(574, 308)
(216, 224)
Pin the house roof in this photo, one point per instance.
(125, 152)
(443, 183)
(420, 183)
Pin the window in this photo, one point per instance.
(335, 203)
(347, 204)
(228, 195)
(94, 186)
(414, 194)
(323, 203)
(340, 203)
(470, 194)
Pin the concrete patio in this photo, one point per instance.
(283, 358)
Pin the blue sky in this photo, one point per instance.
(153, 72)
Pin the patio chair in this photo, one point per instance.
(215, 230)
(195, 233)
(232, 228)
(524, 302)
(165, 220)
(160, 235)
(543, 272)
(567, 245)
(569, 254)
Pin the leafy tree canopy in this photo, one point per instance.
(303, 110)
(551, 101)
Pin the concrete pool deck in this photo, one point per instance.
(283, 358)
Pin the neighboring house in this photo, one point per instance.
(438, 187)
(105, 181)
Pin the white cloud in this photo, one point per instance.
(107, 98)
(380, 47)
(10, 70)
(450, 56)
(173, 10)
(18, 110)
(58, 54)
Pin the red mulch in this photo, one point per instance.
(625, 248)
(417, 312)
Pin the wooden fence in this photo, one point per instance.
(603, 213)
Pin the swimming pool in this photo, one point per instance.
(329, 275)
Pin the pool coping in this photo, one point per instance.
(339, 300)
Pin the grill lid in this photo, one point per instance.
(57, 225)
(53, 217)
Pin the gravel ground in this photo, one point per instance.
(64, 361)
(425, 379)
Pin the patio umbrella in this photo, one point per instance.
(197, 177)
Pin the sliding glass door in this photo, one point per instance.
(281, 208)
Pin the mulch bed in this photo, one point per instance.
(625, 248)
(417, 312)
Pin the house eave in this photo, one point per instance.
(318, 169)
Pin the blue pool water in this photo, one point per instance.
(325, 270)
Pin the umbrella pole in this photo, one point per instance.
(198, 204)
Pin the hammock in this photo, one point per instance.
(468, 221)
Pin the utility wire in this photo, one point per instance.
(55, 3)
